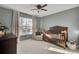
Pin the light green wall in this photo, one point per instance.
(5, 17)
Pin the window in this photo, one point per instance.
(25, 26)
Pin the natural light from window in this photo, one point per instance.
(25, 26)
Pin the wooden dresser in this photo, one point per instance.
(8, 44)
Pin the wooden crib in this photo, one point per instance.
(57, 35)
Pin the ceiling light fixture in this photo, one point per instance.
(40, 7)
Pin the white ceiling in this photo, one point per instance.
(52, 8)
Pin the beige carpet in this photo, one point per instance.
(30, 46)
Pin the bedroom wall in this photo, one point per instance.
(67, 18)
(5, 17)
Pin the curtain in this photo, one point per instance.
(34, 26)
(14, 23)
